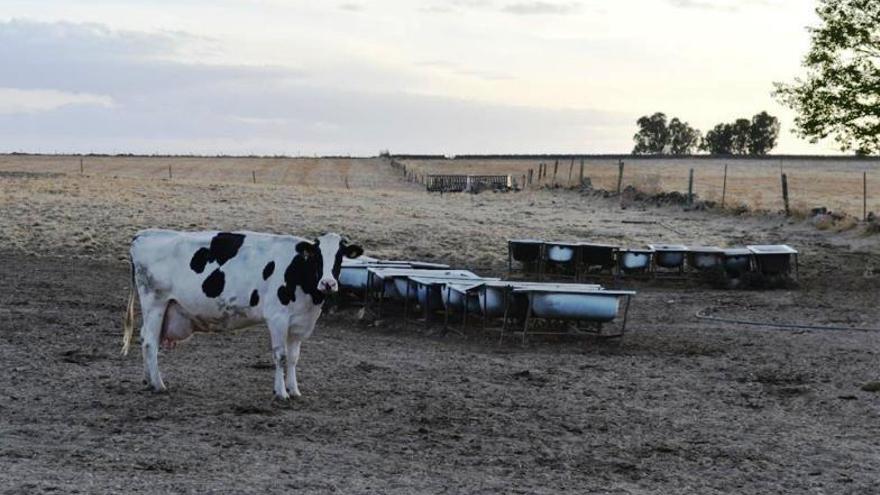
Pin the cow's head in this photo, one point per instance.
(325, 256)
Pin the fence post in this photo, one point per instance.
(570, 168)
(169, 171)
(80, 166)
(523, 182)
(785, 194)
(254, 176)
(581, 176)
(724, 187)
(865, 196)
(691, 187)
(555, 169)
(619, 177)
(531, 173)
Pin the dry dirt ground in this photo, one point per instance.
(680, 406)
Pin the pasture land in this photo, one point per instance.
(681, 405)
(755, 183)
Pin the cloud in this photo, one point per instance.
(542, 8)
(15, 101)
(719, 5)
(120, 92)
(458, 70)
(351, 7)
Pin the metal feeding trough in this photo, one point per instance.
(669, 256)
(737, 261)
(705, 258)
(634, 260)
(528, 252)
(573, 304)
(562, 258)
(392, 283)
(601, 256)
(774, 260)
(353, 273)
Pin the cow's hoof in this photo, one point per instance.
(282, 397)
(294, 394)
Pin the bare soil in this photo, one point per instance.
(681, 405)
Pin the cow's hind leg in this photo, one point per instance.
(293, 344)
(278, 334)
(150, 334)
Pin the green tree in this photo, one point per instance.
(653, 135)
(683, 139)
(840, 94)
(719, 141)
(741, 131)
(763, 133)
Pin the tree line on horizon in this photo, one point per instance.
(656, 136)
(837, 98)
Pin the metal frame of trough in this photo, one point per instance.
(530, 311)
(461, 183)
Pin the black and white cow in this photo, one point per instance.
(193, 281)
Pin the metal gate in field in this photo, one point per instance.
(470, 183)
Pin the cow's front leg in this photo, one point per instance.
(278, 334)
(292, 358)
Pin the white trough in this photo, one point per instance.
(774, 259)
(353, 273)
(574, 304)
(705, 258)
(737, 261)
(669, 256)
(634, 260)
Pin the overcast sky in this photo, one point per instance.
(357, 77)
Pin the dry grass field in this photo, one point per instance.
(681, 405)
(834, 184)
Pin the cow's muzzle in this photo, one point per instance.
(328, 286)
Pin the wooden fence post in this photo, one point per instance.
(80, 166)
(555, 169)
(570, 168)
(691, 187)
(724, 187)
(523, 186)
(169, 171)
(254, 176)
(785, 194)
(531, 173)
(864, 196)
(619, 177)
(581, 176)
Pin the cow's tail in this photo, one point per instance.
(128, 320)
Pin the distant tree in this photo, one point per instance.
(742, 130)
(840, 95)
(743, 137)
(719, 140)
(763, 133)
(683, 139)
(653, 135)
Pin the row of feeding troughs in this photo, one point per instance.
(428, 289)
(581, 259)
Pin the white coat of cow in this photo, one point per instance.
(194, 281)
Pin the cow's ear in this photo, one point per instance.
(306, 248)
(353, 251)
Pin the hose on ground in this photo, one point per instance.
(703, 316)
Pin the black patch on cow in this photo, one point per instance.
(199, 260)
(213, 285)
(224, 247)
(284, 296)
(268, 270)
(255, 298)
(305, 271)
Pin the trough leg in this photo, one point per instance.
(528, 320)
(625, 315)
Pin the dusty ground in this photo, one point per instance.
(681, 406)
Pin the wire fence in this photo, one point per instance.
(850, 186)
